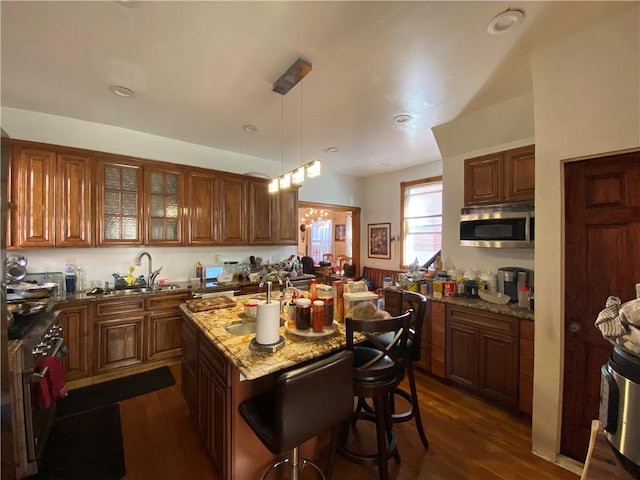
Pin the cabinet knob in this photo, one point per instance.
(575, 327)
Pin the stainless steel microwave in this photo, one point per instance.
(498, 226)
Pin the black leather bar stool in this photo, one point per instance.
(378, 368)
(306, 402)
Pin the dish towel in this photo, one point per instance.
(44, 395)
(620, 324)
(54, 376)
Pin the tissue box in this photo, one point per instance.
(353, 298)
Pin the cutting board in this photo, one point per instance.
(204, 304)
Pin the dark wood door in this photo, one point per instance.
(498, 367)
(287, 215)
(232, 210)
(261, 213)
(202, 200)
(462, 354)
(76, 326)
(74, 211)
(602, 235)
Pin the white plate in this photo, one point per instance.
(494, 297)
(310, 333)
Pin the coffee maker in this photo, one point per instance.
(510, 279)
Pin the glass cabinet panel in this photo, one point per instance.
(119, 198)
(164, 206)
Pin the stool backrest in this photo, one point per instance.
(310, 400)
(391, 354)
(418, 303)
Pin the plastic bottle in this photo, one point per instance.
(387, 282)
(313, 289)
(200, 271)
(291, 310)
(303, 314)
(523, 297)
(81, 279)
(317, 316)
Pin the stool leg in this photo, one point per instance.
(415, 405)
(294, 459)
(381, 435)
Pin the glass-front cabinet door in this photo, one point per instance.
(164, 193)
(119, 203)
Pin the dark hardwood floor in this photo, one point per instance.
(469, 439)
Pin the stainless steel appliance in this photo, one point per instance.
(510, 279)
(498, 226)
(620, 406)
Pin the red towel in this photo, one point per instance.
(54, 377)
(44, 395)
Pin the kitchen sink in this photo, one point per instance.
(244, 328)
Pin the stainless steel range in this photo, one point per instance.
(40, 336)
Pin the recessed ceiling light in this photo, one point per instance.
(121, 91)
(384, 164)
(505, 21)
(331, 149)
(250, 128)
(127, 3)
(402, 118)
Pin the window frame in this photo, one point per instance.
(403, 188)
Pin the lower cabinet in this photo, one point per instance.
(438, 345)
(525, 384)
(163, 326)
(212, 402)
(482, 353)
(77, 331)
(189, 341)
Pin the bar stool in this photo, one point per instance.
(306, 402)
(418, 303)
(378, 370)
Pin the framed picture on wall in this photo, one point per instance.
(379, 240)
(341, 233)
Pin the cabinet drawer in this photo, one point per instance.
(485, 320)
(215, 357)
(166, 301)
(112, 307)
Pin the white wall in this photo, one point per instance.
(178, 263)
(382, 205)
(587, 102)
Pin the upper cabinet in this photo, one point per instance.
(52, 193)
(118, 203)
(68, 197)
(502, 177)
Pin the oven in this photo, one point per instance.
(41, 338)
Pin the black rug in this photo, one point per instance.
(85, 446)
(114, 391)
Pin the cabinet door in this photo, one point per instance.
(118, 203)
(119, 342)
(12, 196)
(189, 342)
(202, 201)
(520, 174)
(525, 384)
(163, 335)
(206, 380)
(76, 329)
(74, 210)
(438, 335)
(498, 367)
(232, 210)
(462, 354)
(261, 210)
(483, 180)
(36, 197)
(287, 217)
(164, 201)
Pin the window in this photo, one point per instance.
(421, 219)
(321, 239)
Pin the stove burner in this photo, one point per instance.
(22, 324)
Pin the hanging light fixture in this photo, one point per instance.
(314, 215)
(289, 79)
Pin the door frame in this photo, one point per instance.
(355, 225)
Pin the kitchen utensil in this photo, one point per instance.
(30, 290)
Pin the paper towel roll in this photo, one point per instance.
(268, 323)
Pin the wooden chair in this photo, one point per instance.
(327, 257)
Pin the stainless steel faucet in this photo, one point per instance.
(151, 274)
(269, 276)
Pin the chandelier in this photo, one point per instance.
(314, 215)
(294, 74)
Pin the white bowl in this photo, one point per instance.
(494, 297)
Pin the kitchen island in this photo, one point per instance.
(220, 371)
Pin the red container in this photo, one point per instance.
(449, 288)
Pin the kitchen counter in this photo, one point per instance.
(251, 364)
(510, 309)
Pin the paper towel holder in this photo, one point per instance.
(266, 347)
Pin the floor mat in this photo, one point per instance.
(114, 391)
(85, 446)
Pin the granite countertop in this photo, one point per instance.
(510, 309)
(253, 364)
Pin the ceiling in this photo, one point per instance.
(202, 70)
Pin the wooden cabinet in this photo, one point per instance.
(163, 326)
(232, 210)
(53, 197)
(438, 335)
(76, 328)
(202, 197)
(262, 207)
(482, 353)
(118, 334)
(189, 342)
(287, 221)
(213, 400)
(501, 177)
(525, 384)
(119, 203)
(164, 205)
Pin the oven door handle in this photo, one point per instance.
(31, 376)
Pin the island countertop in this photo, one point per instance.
(252, 364)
